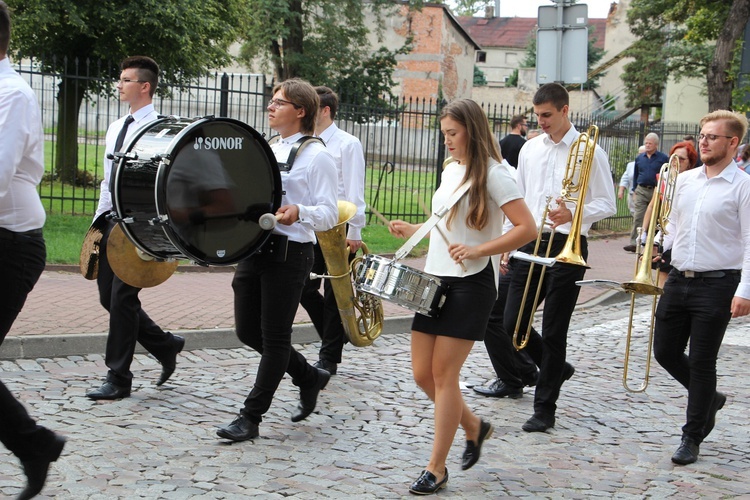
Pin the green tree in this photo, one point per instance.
(684, 38)
(90, 37)
(326, 42)
(594, 55)
(469, 7)
(479, 78)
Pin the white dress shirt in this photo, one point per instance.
(350, 164)
(501, 189)
(143, 116)
(541, 168)
(21, 153)
(709, 225)
(311, 185)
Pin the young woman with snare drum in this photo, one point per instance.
(470, 235)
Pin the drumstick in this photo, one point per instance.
(440, 231)
(378, 215)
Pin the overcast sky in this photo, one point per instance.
(530, 8)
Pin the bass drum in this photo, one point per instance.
(196, 189)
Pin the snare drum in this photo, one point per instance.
(415, 290)
(195, 189)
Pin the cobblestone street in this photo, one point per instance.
(370, 436)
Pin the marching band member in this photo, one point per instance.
(541, 169)
(440, 345)
(268, 285)
(709, 234)
(128, 322)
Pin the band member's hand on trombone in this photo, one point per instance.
(560, 215)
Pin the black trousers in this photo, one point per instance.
(513, 367)
(22, 260)
(128, 323)
(266, 298)
(323, 311)
(559, 293)
(694, 310)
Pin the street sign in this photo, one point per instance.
(562, 44)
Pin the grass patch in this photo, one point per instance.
(64, 236)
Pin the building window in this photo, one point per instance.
(481, 56)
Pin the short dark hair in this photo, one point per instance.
(552, 93)
(4, 27)
(328, 98)
(516, 121)
(148, 70)
(301, 93)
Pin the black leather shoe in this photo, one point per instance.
(716, 405)
(472, 451)
(326, 365)
(36, 470)
(109, 391)
(568, 372)
(241, 429)
(308, 398)
(427, 484)
(499, 389)
(168, 367)
(629, 248)
(687, 453)
(538, 424)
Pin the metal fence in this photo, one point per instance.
(403, 145)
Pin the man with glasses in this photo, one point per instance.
(647, 166)
(22, 252)
(128, 322)
(709, 234)
(350, 165)
(512, 143)
(268, 285)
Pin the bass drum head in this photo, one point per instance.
(221, 176)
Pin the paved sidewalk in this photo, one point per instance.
(62, 315)
(370, 435)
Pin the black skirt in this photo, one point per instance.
(466, 309)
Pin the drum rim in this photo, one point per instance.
(114, 194)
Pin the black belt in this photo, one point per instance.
(646, 186)
(7, 234)
(558, 236)
(708, 274)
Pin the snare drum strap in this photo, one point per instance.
(430, 223)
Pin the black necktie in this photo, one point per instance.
(123, 132)
(118, 144)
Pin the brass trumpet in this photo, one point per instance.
(643, 282)
(575, 182)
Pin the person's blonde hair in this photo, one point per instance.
(736, 122)
(480, 147)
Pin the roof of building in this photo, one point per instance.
(514, 32)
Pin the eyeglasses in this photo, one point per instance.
(277, 103)
(123, 81)
(712, 137)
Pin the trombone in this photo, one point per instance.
(643, 281)
(574, 185)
